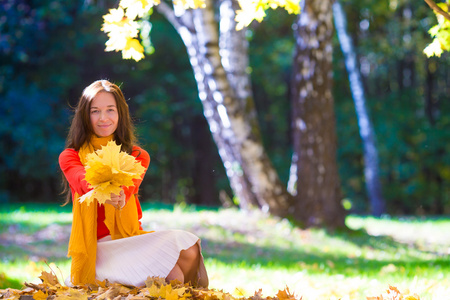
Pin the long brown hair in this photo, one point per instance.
(81, 130)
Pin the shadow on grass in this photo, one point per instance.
(332, 261)
(366, 254)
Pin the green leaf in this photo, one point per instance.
(434, 30)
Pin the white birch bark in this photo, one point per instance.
(238, 141)
(233, 51)
(371, 165)
(184, 24)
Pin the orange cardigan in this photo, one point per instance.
(74, 171)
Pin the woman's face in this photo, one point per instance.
(104, 115)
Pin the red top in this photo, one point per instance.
(73, 169)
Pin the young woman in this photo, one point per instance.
(107, 241)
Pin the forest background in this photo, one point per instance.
(51, 50)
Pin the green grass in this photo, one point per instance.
(248, 251)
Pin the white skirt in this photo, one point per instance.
(132, 260)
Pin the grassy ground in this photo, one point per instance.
(248, 251)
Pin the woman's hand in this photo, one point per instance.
(118, 201)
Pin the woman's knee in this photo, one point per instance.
(191, 254)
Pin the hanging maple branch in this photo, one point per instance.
(437, 9)
(440, 32)
(125, 24)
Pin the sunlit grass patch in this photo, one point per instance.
(425, 233)
(243, 279)
(32, 217)
(15, 273)
(248, 251)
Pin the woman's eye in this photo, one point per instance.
(94, 111)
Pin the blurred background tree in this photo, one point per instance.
(318, 196)
(50, 50)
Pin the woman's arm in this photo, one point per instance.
(143, 157)
(73, 170)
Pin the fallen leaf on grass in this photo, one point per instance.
(257, 296)
(155, 289)
(10, 294)
(71, 294)
(393, 293)
(40, 295)
(110, 293)
(49, 278)
(286, 295)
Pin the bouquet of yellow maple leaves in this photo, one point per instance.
(108, 170)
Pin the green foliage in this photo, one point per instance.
(24, 108)
(41, 52)
(407, 104)
(271, 66)
(50, 50)
(415, 178)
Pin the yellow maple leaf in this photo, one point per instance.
(433, 48)
(115, 22)
(213, 295)
(119, 29)
(108, 170)
(152, 291)
(9, 293)
(186, 4)
(250, 10)
(133, 49)
(40, 295)
(158, 281)
(137, 8)
(158, 289)
(256, 10)
(181, 291)
(170, 294)
(72, 294)
(285, 295)
(292, 7)
(49, 278)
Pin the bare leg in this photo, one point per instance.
(189, 263)
(175, 274)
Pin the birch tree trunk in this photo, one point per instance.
(318, 199)
(239, 142)
(371, 165)
(233, 50)
(207, 88)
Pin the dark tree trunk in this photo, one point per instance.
(318, 200)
